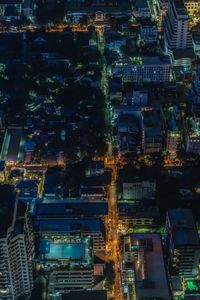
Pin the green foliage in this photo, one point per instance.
(109, 273)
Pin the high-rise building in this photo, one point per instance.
(178, 39)
(182, 243)
(16, 247)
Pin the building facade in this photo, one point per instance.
(182, 243)
(175, 26)
(178, 39)
(16, 252)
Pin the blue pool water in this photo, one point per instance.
(65, 251)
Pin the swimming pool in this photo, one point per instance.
(65, 251)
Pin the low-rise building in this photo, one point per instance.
(68, 260)
(79, 226)
(192, 135)
(192, 6)
(95, 187)
(137, 98)
(128, 133)
(97, 168)
(148, 31)
(145, 275)
(138, 188)
(142, 214)
(27, 190)
(70, 208)
(173, 132)
(11, 9)
(142, 9)
(86, 295)
(144, 69)
(151, 132)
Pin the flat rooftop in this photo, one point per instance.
(85, 295)
(156, 60)
(151, 277)
(75, 225)
(184, 228)
(179, 3)
(151, 118)
(147, 209)
(122, 6)
(70, 206)
(141, 4)
(11, 2)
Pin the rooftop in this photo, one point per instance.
(159, 59)
(70, 207)
(141, 4)
(146, 209)
(151, 278)
(184, 228)
(179, 3)
(11, 2)
(27, 184)
(75, 225)
(151, 118)
(85, 295)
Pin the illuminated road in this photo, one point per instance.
(113, 239)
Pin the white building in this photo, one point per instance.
(16, 250)
(178, 39)
(139, 189)
(144, 69)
